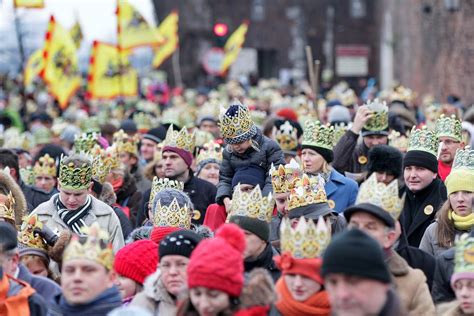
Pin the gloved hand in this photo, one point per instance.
(48, 235)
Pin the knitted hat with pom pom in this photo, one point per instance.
(137, 260)
(217, 263)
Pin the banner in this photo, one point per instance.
(233, 45)
(132, 29)
(29, 3)
(60, 71)
(76, 34)
(110, 73)
(33, 67)
(168, 29)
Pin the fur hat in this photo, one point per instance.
(384, 158)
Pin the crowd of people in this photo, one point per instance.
(242, 200)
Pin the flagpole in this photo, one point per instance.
(178, 81)
(22, 60)
(119, 46)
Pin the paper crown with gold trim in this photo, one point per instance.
(172, 215)
(464, 159)
(286, 136)
(93, 245)
(379, 120)
(86, 141)
(143, 120)
(318, 135)
(112, 157)
(449, 127)
(101, 163)
(399, 141)
(159, 184)
(283, 176)
(423, 140)
(45, 166)
(401, 93)
(182, 139)
(307, 190)
(381, 195)
(464, 254)
(252, 204)
(210, 151)
(236, 124)
(27, 235)
(7, 207)
(75, 175)
(126, 143)
(306, 240)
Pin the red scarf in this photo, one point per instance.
(443, 170)
(318, 304)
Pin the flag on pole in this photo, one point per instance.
(132, 29)
(168, 29)
(29, 4)
(233, 46)
(76, 34)
(60, 71)
(110, 73)
(33, 67)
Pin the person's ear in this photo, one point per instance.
(89, 190)
(391, 237)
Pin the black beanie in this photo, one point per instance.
(384, 158)
(326, 153)
(252, 174)
(420, 159)
(181, 243)
(157, 134)
(253, 225)
(8, 237)
(354, 253)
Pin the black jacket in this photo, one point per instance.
(265, 260)
(442, 291)
(129, 196)
(33, 196)
(124, 221)
(347, 153)
(420, 209)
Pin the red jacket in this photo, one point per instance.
(215, 216)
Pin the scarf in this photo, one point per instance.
(317, 304)
(74, 219)
(463, 223)
(443, 170)
(101, 305)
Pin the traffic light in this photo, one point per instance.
(220, 34)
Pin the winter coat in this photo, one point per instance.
(341, 191)
(125, 223)
(269, 153)
(129, 196)
(416, 258)
(442, 291)
(393, 305)
(154, 297)
(33, 196)
(449, 309)
(99, 212)
(265, 261)
(411, 286)
(429, 242)
(347, 154)
(14, 289)
(45, 287)
(420, 209)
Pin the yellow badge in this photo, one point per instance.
(428, 209)
(362, 160)
(196, 215)
(331, 204)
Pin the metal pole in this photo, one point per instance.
(22, 62)
(177, 69)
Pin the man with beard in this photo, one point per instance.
(449, 133)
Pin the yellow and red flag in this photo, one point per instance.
(168, 29)
(76, 34)
(29, 4)
(233, 46)
(33, 67)
(60, 71)
(110, 73)
(132, 29)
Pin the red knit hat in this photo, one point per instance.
(310, 268)
(137, 260)
(217, 263)
(159, 233)
(288, 113)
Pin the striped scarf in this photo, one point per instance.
(73, 218)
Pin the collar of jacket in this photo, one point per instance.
(396, 264)
(423, 193)
(155, 289)
(264, 260)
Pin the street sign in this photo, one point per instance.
(212, 61)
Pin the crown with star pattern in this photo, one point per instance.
(449, 127)
(252, 204)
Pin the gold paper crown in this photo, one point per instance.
(45, 166)
(381, 195)
(182, 139)
(112, 157)
(339, 131)
(126, 143)
(307, 191)
(464, 159)
(96, 247)
(159, 184)
(172, 215)
(399, 141)
(85, 142)
(307, 240)
(318, 135)
(210, 150)
(286, 136)
(283, 176)
(379, 120)
(464, 254)
(7, 208)
(252, 204)
(449, 127)
(144, 121)
(101, 164)
(75, 177)
(424, 140)
(27, 235)
(400, 93)
(239, 126)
